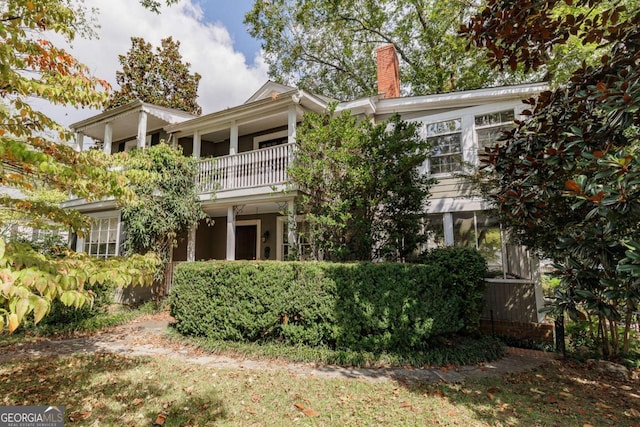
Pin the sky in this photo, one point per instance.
(212, 38)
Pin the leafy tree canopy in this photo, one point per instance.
(365, 197)
(166, 201)
(567, 179)
(35, 155)
(159, 78)
(328, 46)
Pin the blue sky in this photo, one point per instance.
(231, 14)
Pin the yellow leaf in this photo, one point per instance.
(13, 322)
(22, 308)
(40, 309)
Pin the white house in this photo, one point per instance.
(244, 152)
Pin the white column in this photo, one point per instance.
(292, 121)
(191, 243)
(231, 234)
(108, 137)
(142, 129)
(79, 141)
(292, 228)
(233, 138)
(447, 222)
(197, 144)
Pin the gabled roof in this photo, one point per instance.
(257, 108)
(125, 120)
(269, 90)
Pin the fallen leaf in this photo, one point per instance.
(494, 390)
(311, 412)
(634, 413)
(160, 419)
(137, 401)
(299, 406)
(552, 399)
(405, 404)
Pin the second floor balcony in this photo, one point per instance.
(257, 168)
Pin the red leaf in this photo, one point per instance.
(571, 185)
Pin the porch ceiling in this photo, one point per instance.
(249, 127)
(248, 209)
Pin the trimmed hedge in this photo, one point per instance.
(356, 306)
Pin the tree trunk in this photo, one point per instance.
(627, 327)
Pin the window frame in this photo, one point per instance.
(457, 130)
(81, 245)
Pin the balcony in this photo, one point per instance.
(259, 168)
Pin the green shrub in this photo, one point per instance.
(466, 269)
(59, 314)
(358, 306)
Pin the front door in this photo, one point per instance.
(246, 241)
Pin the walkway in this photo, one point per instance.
(146, 337)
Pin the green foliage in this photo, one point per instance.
(60, 314)
(567, 181)
(30, 281)
(361, 307)
(159, 78)
(466, 269)
(35, 156)
(327, 46)
(166, 201)
(364, 196)
(449, 350)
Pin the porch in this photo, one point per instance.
(257, 168)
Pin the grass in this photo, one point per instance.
(457, 350)
(100, 321)
(108, 389)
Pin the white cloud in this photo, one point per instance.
(226, 81)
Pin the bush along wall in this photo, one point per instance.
(356, 306)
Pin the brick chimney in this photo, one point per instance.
(388, 72)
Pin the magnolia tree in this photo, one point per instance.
(567, 179)
(160, 77)
(35, 155)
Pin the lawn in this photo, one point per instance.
(108, 389)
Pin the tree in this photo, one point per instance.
(566, 180)
(166, 201)
(159, 78)
(328, 46)
(34, 153)
(364, 197)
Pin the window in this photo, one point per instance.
(489, 127)
(271, 139)
(446, 141)
(477, 230)
(468, 229)
(102, 240)
(284, 248)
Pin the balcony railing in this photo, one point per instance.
(267, 166)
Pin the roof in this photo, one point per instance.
(125, 120)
